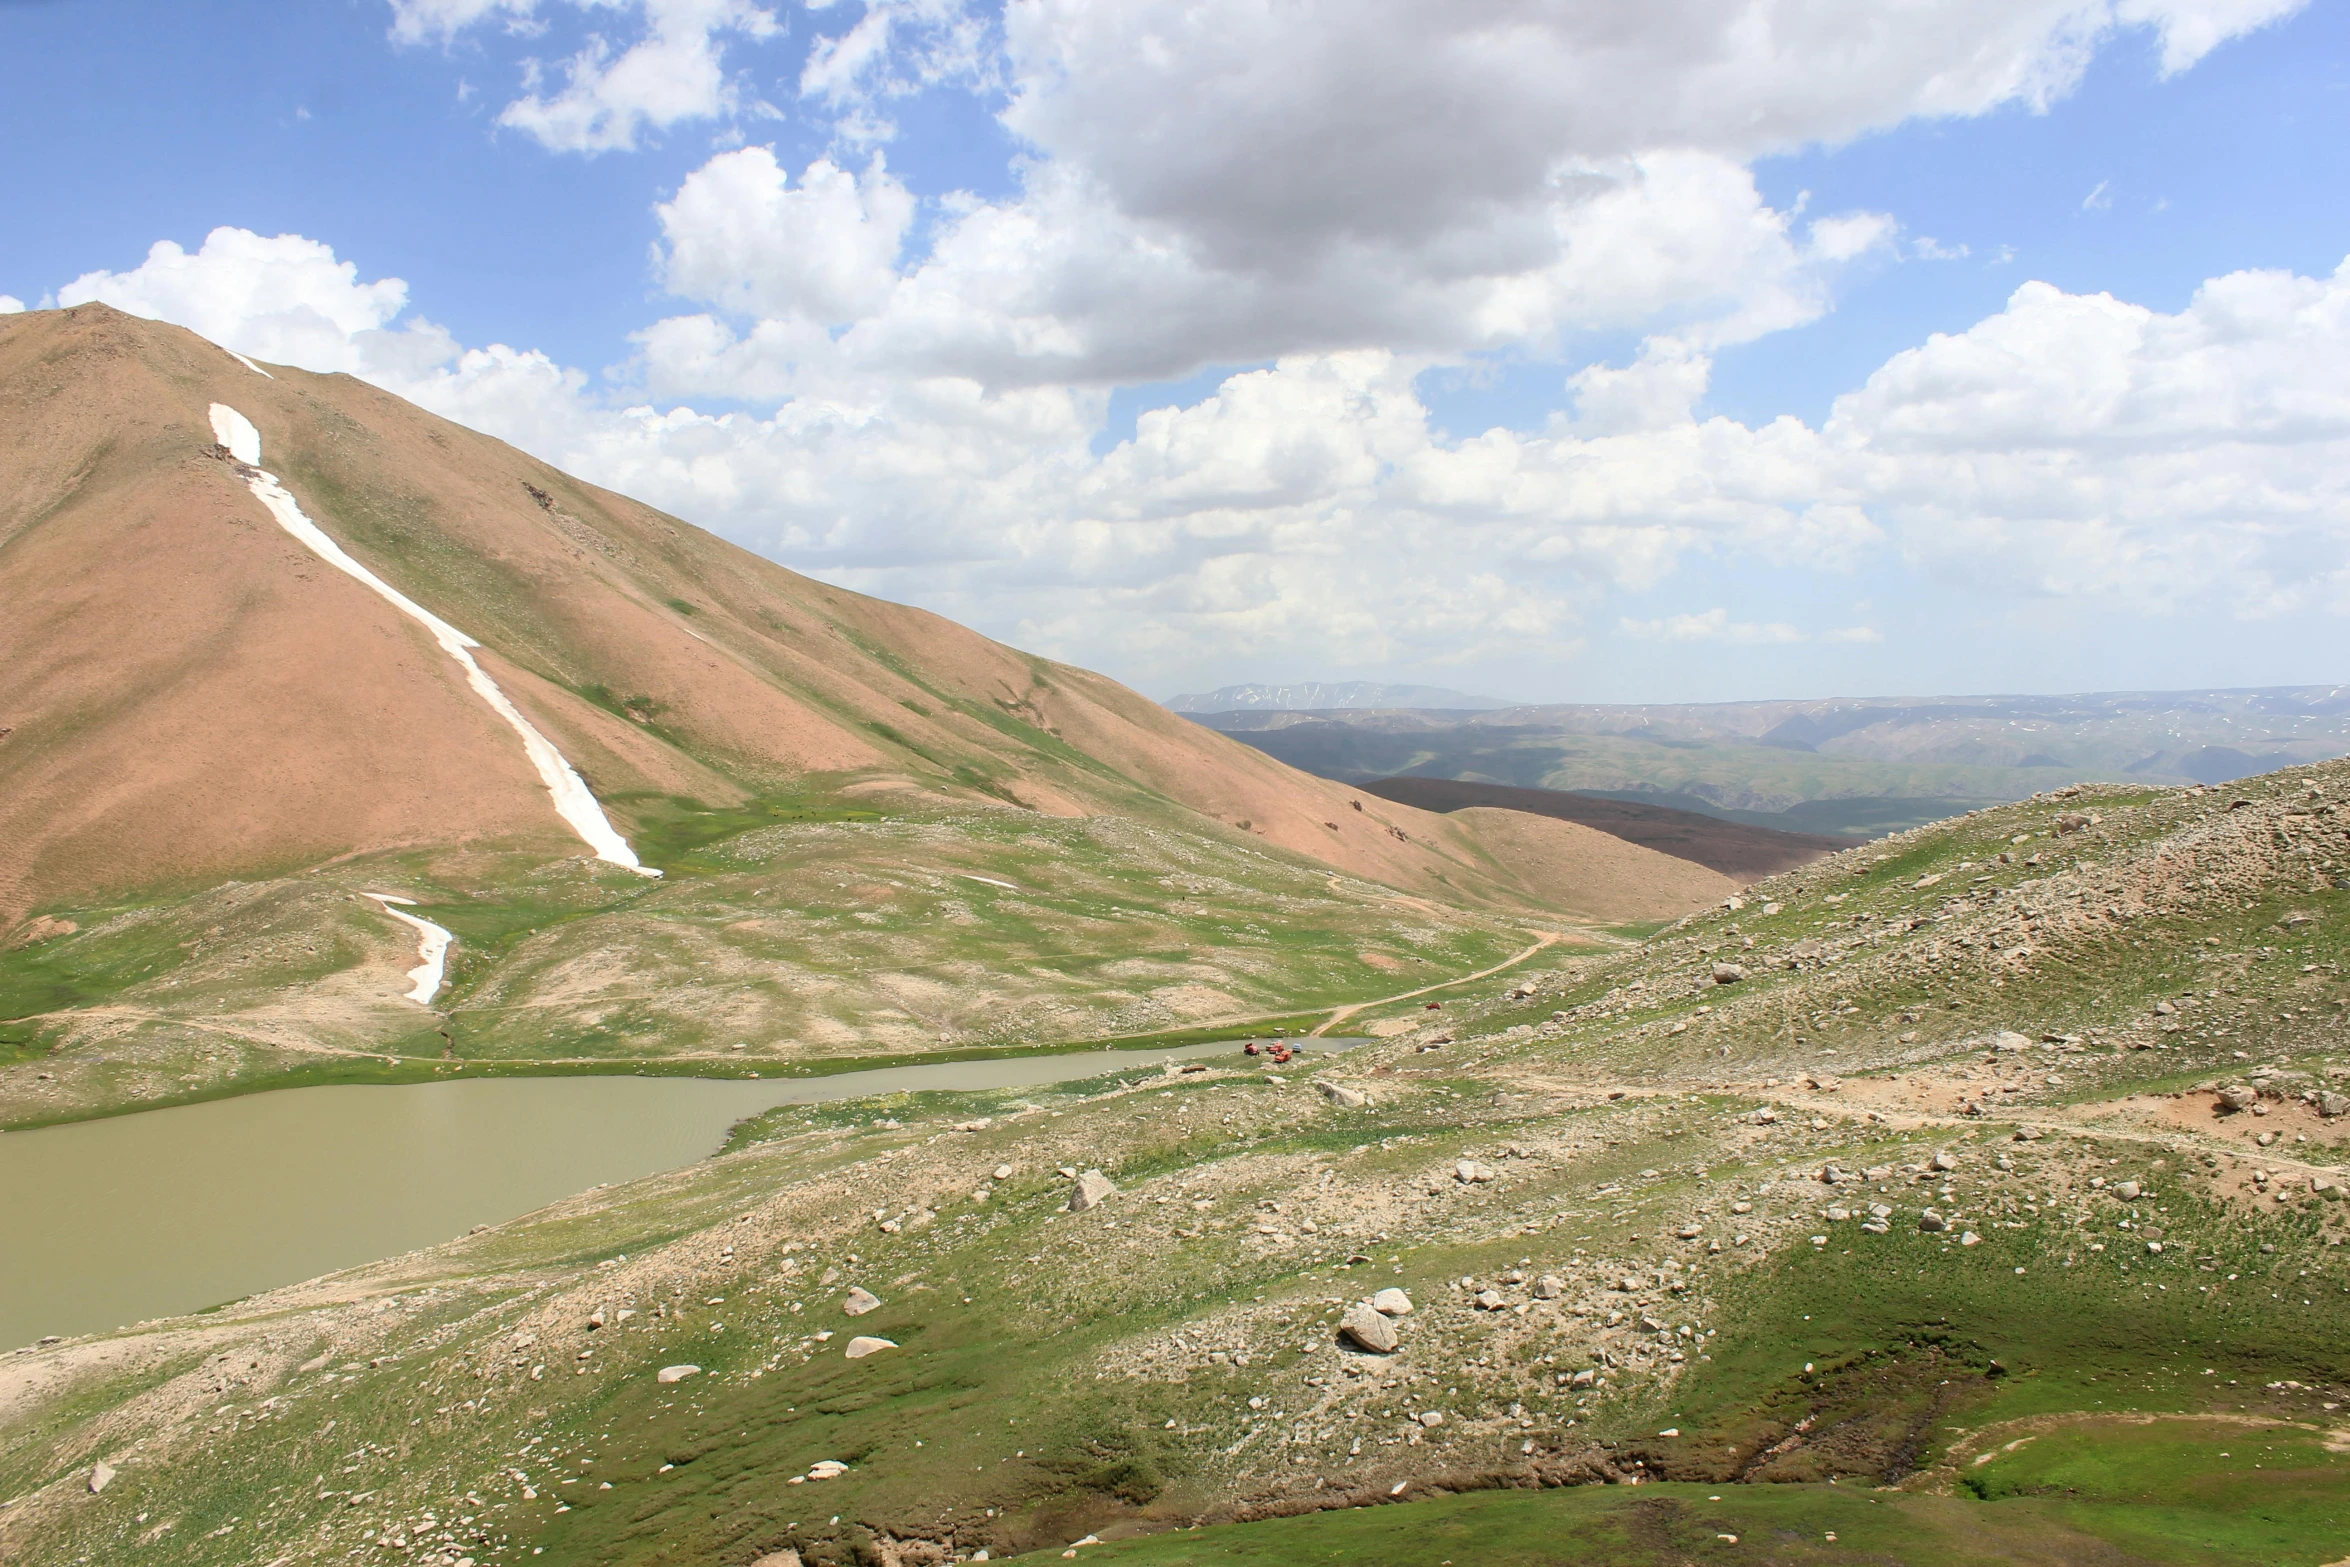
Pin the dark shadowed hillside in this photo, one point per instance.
(1736, 849)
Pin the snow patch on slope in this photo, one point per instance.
(234, 431)
(432, 945)
(248, 364)
(574, 802)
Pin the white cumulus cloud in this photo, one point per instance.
(1713, 625)
(417, 21)
(741, 236)
(607, 96)
(285, 299)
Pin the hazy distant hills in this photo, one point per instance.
(1318, 696)
(1838, 766)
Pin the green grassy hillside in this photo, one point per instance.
(1902, 1201)
(791, 944)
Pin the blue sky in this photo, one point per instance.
(1311, 341)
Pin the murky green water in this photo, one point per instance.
(108, 1222)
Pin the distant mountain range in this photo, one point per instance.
(1841, 766)
(1316, 696)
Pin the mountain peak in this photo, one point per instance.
(213, 683)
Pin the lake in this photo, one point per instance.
(105, 1223)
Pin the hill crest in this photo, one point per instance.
(199, 699)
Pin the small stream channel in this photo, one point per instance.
(104, 1223)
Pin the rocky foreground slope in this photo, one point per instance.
(1971, 1196)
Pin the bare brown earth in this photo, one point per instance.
(194, 697)
(1737, 850)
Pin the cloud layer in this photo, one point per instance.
(2069, 447)
(910, 393)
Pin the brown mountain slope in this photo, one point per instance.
(196, 695)
(1735, 849)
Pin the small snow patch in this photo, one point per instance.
(234, 431)
(432, 948)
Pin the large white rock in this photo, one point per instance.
(1092, 1187)
(863, 1345)
(676, 1373)
(1344, 1097)
(859, 1301)
(1369, 1329)
(1392, 1302)
(101, 1476)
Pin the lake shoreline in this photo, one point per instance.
(356, 1071)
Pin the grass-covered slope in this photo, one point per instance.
(791, 946)
(1903, 1201)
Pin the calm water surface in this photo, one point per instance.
(108, 1222)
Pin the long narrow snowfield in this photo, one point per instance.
(574, 801)
(432, 945)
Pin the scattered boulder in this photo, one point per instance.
(1431, 1418)
(1549, 1287)
(859, 1301)
(2127, 1191)
(1932, 1222)
(1945, 1160)
(101, 1476)
(1392, 1302)
(595, 1319)
(2330, 1105)
(2238, 1096)
(1469, 1171)
(1002, 1172)
(669, 1374)
(1092, 1187)
(865, 1344)
(1728, 973)
(1344, 1097)
(1764, 1117)
(1369, 1328)
(1491, 1300)
(827, 1469)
